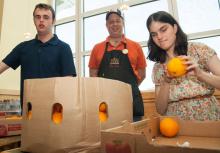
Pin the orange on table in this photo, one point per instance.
(176, 67)
(102, 116)
(57, 117)
(169, 127)
(103, 107)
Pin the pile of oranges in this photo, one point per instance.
(169, 127)
(103, 112)
(176, 67)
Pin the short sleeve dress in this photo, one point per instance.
(189, 98)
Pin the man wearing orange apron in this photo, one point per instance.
(121, 59)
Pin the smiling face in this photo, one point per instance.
(43, 21)
(115, 26)
(163, 35)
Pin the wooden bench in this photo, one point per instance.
(149, 102)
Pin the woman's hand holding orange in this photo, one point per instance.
(167, 77)
(192, 66)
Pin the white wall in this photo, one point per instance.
(17, 19)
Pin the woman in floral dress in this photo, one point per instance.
(190, 96)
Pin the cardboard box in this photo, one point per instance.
(80, 99)
(9, 127)
(144, 137)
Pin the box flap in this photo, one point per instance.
(200, 128)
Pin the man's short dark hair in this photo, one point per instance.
(117, 12)
(46, 7)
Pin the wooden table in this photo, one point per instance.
(10, 142)
(16, 150)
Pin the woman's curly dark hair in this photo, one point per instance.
(156, 53)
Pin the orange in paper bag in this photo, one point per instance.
(29, 114)
(57, 117)
(103, 107)
(176, 67)
(102, 116)
(169, 127)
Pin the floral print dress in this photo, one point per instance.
(189, 98)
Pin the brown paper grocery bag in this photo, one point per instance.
(80, 99)
(117, 95)
(40, 134)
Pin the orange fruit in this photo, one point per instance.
(29, 114)
(169, 127)
(57, 117)
(103, 107)
(176, 67)
(102, 116)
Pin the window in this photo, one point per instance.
(198, 15)
(64, 8)
(94, 4)
(137, 30)
(66, 32)
(94, 32)
(86, 63)
(147, 84)
(198, 18)
(212, 42)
